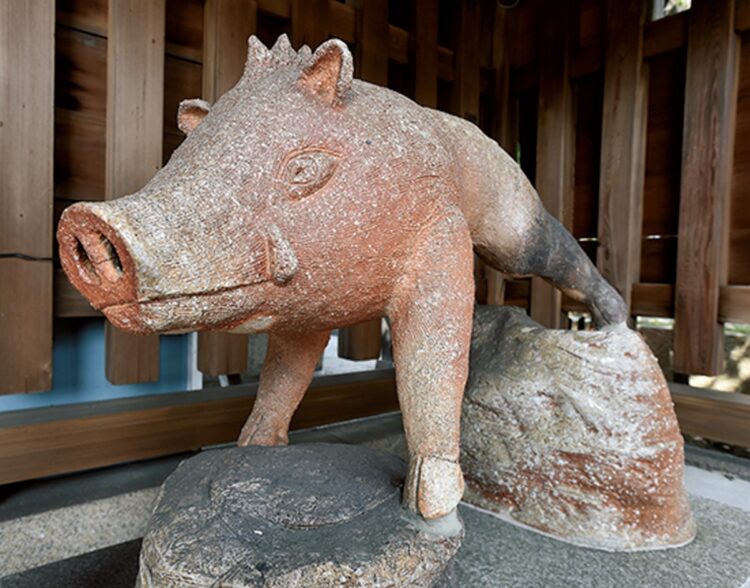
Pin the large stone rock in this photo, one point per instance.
(305, 515)
(573, 433)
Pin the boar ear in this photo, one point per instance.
(330, 71)
(190, 113)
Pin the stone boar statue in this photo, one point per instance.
(304, 200)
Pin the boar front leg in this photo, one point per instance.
(431, 315)
(286, 375)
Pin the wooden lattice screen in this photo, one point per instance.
(632, 130)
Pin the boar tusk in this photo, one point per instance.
(282, 259)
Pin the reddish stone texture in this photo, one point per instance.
(304, 200)
(573, 434)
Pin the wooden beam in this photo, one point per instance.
(227, 24)
(341, 22)
(665, 34)
(555, 145)
(222, 353)
(398, 44)
(623, 146)
(464, 97)
(184, 29)
(27, 74)
(135, 94)
(309, 22)
(707, 154)
(59, 440)
(734, 304)
(372, 52)
(446, 69)
(652, 300)
(465, 94)
(742, 16)
(524, 79)
(277, 8)
(363, 341)
(89, 16)
(586, 62)
(708, 414)
(426, 52)
(504, 122)
(69, 302)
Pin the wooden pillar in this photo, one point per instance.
(27, 60)
(227, 24)
(504, 123)
(372, 48)
(465, 95)
(555, 143)
(309, 22)
(363, 341)
(707, 156)
(623, 146)
(135, 95)
(426, 52)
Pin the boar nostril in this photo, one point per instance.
(98, 258)
(85, 263)
(112, 266)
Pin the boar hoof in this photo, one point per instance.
(258, 431)
(434, 486)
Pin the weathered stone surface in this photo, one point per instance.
(304, 515)
(573, 433)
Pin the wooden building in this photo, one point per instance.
(633, 126)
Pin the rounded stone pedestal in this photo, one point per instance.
(304, 515)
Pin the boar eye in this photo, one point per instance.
(306, 173)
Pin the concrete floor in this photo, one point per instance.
(85, 529)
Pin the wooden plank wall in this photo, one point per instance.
(555, 154)
(708, 138)
(660, 209)
(27, 46)
(135, 94)
(482, 62)
(623, 145)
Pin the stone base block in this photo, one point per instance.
(304, 515)
(573, 434)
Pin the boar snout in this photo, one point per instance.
(154, 268)
(95, 258)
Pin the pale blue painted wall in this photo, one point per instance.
(78, 369)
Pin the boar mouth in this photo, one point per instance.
(207, 309)
(280, 265)
(214, 310)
